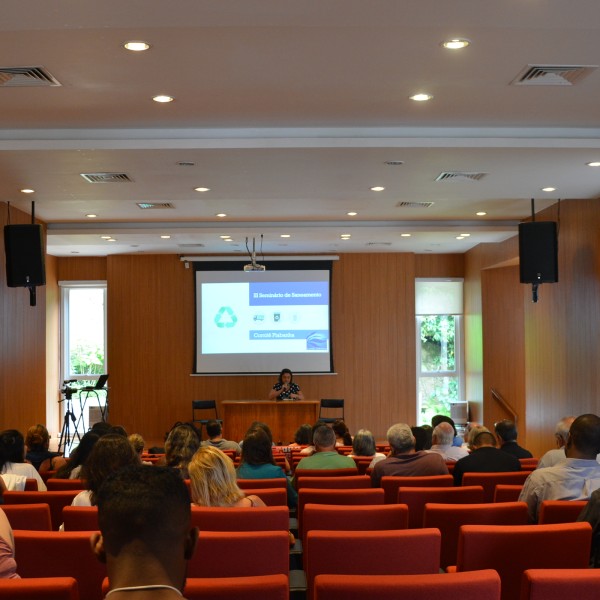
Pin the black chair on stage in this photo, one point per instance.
(204, 407)
(337, 404)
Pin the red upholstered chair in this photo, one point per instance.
(529, 464)
(240, 554)
(42, 588)
(344, 450)
(489, 481)
(270, 496)
(449, 518)
(507, 493)
(324, 472)
(64, 484)
(339, 482)
(45, 475)
(261, 483)
(55, 500)
(260, 587)
(473, 585)
(416, 498)
(558, 584)
(408, 551)
(362, 463)
(269, 518)
(60, 554)
(33, 517)
(560, 511)
(80, 518)
(336, 497)
(511, 550)
(31, 485)
(390, 484)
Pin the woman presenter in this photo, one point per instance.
(285, 388)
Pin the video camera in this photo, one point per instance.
(69, 391)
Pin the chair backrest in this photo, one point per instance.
(204, 405)
(449, 518)
(558, 584)
(489, 481)
(362, 463)
(31, 485)
(80, 518)
(259, 587)
(529, 464)
(240, 554)
(245, 484)
(331, 483)
(371, 553)
(325, 472)
(269, 518)
(32, 517)
(473, 585)
(511, 550)
(40, 588)
(390, 484)
(270, 496)
(335, 404)
(560, 511)
(55, 500)
(64, 484)
(507, 493)
(335, 497)
(416, 498)
(60, 554)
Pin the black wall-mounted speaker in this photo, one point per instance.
(538, 252)
(24, 248)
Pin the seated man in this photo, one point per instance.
(145, 532)
(404, 460)
(506, 432)
(214, 430)
(485, 458)
(573, 479)
(442, 437)
(561, 434)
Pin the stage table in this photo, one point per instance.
(283, 417)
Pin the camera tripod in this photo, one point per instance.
(65, 434)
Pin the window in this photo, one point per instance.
(439, 347)
(83, 353)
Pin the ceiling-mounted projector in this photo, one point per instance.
(253, 265)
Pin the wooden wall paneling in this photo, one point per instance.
(86, 268)
(439, 265)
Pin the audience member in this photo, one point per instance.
(325, 455)
(182, 443)
(213, 481)
(37, 441)
(214, 430)
(404, 460)
(119, 430)
(111, 453)
(342, 433)
(437, 419)
(303, 436)
(257, 462)
(138, 443)
(506, 433)
(8, 566)
(423, 437)
(591, 514)
(101, 428)
(145, 534)
(310, 450)
(363, 444)
(561, 434)
(485, 458)
(443, 435)
(573, 479)
(72, 468)
(12, 462)
(470, 427)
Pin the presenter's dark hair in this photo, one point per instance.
(283, 372)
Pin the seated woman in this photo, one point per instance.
(363, 444)
(212, 481)
(72, 468)
(285, 388)
(342, 433)
(37, 441)
(257, 462)
(8, 566)
(12, 458)
(182, 442)
(110, 453)
(303, 436)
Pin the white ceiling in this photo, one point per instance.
(288, 112)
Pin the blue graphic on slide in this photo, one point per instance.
(288, 293)
(315, 340)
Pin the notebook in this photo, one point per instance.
(99, 384)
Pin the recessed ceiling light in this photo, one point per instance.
(225, 237)
(421, 97)
(202, 189)
(593, 164)
(460, 237)
(105, 237)
(345, 236)
(456, 43)
(405, 235)
(377, 188)
(163, 99)
(91, 216)
(111, 240)
(28, 191)
(481, 213)
(165, 237)
(221, 215)
(136, 46)
(285, 235)
(352, 214)
(465, 234)
(549, 189)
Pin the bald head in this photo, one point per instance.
(584, 438)
(443, 434)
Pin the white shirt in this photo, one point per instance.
(552, 458)
(82, 499)
(27, 470)
(449, 452)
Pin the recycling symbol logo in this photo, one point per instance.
(225, 318)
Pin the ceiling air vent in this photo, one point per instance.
(553, 74)
(460, 176)
(106, 177)
(151, 205)
(26, 77)
(188, 246)
(415, 204)
(378, 244)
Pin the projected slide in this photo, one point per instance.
(263, 321)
